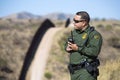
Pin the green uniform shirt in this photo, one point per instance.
(88, 51)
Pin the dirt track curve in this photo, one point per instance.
(37, 66)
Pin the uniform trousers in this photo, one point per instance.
(81, 74)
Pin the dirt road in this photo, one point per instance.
(37, 67)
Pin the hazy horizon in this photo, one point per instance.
(97, 9)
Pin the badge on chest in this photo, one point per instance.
(84, 36)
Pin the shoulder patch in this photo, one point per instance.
(96, 36)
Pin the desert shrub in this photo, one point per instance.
(100, 26)
(114, 41)
(96, 19)
(103, 19)
(48, 75)
(108, 27)
(3, 62)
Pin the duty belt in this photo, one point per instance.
(73, 67)
(91, 67)
(77, 66)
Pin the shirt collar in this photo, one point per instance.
(85, 29)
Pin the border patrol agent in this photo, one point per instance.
(84, 45)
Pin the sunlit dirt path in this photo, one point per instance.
(38, 64)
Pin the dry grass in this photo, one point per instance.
(15, 39)
(110, 71)
(14, 42)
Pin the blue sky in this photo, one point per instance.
(96, 8)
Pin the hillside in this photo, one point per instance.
(27, 15)
(22, 15)
(109, 56)
(16, 38)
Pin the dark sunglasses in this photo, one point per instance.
(77, 21)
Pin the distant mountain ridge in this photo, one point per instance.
(22, 15)
(58, 16)
(27, 15)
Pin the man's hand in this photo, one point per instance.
(68, 49)
(71, 46)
